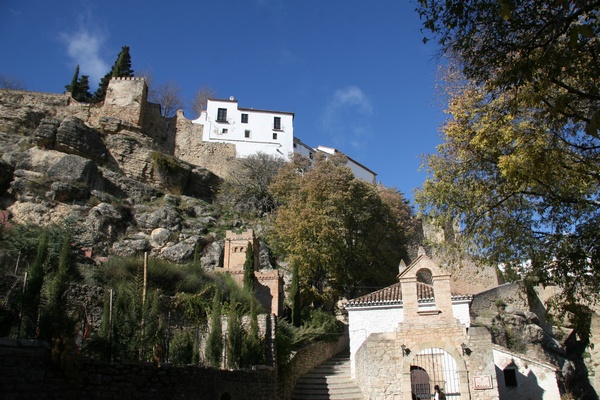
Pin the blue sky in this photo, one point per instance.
(356, 74)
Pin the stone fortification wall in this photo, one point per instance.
(509, 294)
(22, 112)
(306, 359)
(27, 372)
(190, 147)
(125, 99)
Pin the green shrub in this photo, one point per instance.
(181, 350)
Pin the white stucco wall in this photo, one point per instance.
(460, 310)
(535, 379)
(260, 126)
(364, 321)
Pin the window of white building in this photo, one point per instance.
(222, 115)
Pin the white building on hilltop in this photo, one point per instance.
(251, 130)
(270, 132)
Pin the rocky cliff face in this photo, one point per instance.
(109, 178)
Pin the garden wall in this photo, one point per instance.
(28, 372)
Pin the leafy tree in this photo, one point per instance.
(335, 228)
(519, 189)
(248, 190)
(295, 297)
(168, 95)
(121, 68)
(249, 269)
(550, 46)
(518, 174)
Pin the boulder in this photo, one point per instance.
(212, 255)
(106, 222)
(164, 217)
(45, 133)
(73, 168)
(130, 247)
(121, 186)
(75, 137)
(68, 192)
(160, 237)
(181, 251)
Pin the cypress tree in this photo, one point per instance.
(214, 342)
(249, 269)
(72, 87)
(55, 322)
(83, 90)
(121, 68)
(235, 338)
(32, 294)
(252, 345)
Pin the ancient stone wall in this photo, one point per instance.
(509, 294)
(125, 99)
(27, 372)
(189, 146)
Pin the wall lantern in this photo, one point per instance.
(465, 350)
(405, 350)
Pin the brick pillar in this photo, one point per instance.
(443, 296)
(410, 301)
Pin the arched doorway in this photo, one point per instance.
(430, 367)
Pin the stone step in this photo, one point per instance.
(328, 381)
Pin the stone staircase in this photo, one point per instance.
(329, 381)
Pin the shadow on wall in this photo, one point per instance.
(513, 385)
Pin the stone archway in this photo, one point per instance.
(434, 366)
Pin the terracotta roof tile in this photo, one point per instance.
(393, 295)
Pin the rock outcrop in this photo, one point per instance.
(61, 160)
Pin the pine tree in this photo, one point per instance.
(121, 68)
(249, 269)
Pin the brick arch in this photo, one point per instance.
(424, 275)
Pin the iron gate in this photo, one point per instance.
(432, 367)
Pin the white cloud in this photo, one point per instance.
(83, 47)
(346, 117)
